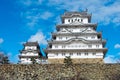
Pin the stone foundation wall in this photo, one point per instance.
(76, 61)
(60, 72)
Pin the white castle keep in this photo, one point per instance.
(76, 37)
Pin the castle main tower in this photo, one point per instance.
(76, 37)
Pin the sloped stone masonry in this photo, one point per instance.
(60, 72)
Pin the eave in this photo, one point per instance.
(80, 39)
(74, 34)
(94, 25)
(104, 50)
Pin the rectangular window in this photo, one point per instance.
(63, 46)
(56, 54)
(97, 46)
(66, 37)
(71, 53)
(93, 37)
(81, 20)
(72, 20)
(78, 53)
(56, 46)
(63, 54)
(90, 46)
(86, 54)
(68, 20)
(94, 53)
(60, 37)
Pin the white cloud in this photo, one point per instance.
(46, 15)
(1, 40)
(33, 17)
(110, 59)
(27, 3)
(39, 37)
(117, 46)
(103, 12)
(119, 53)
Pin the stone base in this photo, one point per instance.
(76, 61)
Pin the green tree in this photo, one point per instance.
(5, 60)
(33, 60)
(68, 61)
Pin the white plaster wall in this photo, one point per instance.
(76, 45)
(85, 20)
(25, 60)
(90, 55)
(30, 47)
(29, 54)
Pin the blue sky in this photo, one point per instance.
(31, 20)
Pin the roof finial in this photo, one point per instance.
(65, 10)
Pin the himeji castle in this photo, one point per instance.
(76, 37)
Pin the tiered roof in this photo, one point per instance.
(31, 44)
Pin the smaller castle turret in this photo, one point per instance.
(30, 50)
